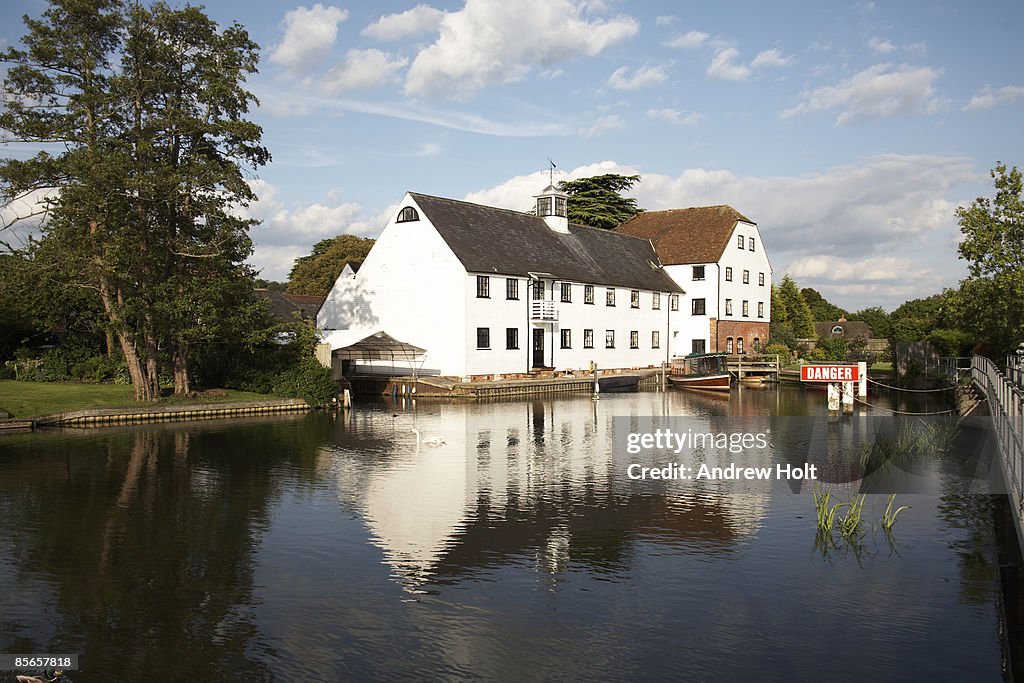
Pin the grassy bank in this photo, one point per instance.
(34, 399)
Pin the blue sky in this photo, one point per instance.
(848, 131)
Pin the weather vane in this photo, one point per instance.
(551, 172)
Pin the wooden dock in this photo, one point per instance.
(438, 387)
(754, 367)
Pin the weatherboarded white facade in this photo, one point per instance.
(477, 305)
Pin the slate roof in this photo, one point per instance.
(504, 242)
(284, 306)
(695, 235)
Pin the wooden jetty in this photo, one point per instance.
(440, 387)
(758, 368)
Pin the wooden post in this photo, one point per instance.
(833, 399)
(346, 400)
(862, 388)
(847, 398)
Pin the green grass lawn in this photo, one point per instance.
(34, 399)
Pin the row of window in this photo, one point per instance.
(699, 307)
(739, 242)
(698, 274)
(483, 339)
(739, 345)
(483, 291)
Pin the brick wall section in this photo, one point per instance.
(747, 329)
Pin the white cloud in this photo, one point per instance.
(879, 91)
(872, 222)
(772, 57)
(723, 67)
(689, 41)
(604, 123)
(309, 34)
(495, 41)
(642, 77)
(418, 20)
(882, 47)
(677, 116)
(362, 69)
(989, 97)
(665, 20)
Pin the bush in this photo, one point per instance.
(777, 349)
(309, 381)
(833, 348)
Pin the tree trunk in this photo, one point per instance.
(131, 355)
(152, 365)
(180, 360)
(110, 343)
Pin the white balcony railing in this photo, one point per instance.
(545, 311)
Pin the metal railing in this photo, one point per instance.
(1006, 406)
(543, 310)
(1015, 370)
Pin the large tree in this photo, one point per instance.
(142, 115)
(989, 300)
(790, 312)
(822, 310)
(315, 274)
(598, 202)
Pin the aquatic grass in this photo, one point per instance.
(889, 515)
(824, 511)
(850, 524)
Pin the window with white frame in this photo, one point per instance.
(609, 297)
(746, 277)
(656, 301)
(634, 298)
(655, 339)
(407, 214)
(609, 339)
(511, 288)
(746, 308)
(698, 272)
(483, 287)
(739, 241)
(760, 309)
(634, 339)
(483, 337)
(728, 344)
(673, 302)
(588, 294)
(697, 307)
(566, 339)
(728, 306)
(588, 339)
(511, 337)
(760, 279)
(750, 244)
(728, 273)
(567, 292)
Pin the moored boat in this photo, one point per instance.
(704, 371)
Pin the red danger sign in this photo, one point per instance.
(829, 373)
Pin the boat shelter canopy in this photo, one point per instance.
(366, 345)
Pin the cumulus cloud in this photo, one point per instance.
(362, 69)
(884, 47)
(680, 117)
(772, 57)
(495, 41)
(601, 125)
(622, 79)
(416, 21)
(989, 97)
(689, 41)
(853, 219)
(309, 34)
(665, 20)
(880, 91)
(724, 67)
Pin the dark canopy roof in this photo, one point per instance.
(358, 345)
(500, 241)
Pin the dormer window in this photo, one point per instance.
(837, 331)
(543, 206)
(408, 214)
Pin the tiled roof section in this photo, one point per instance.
(284, 306)
(696, 235)
(851, 329)
(504, 242)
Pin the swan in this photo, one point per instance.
(430, 440)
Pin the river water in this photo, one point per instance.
(340, 548)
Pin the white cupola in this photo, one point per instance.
(552, 206)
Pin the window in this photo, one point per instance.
(588, 294)
(511, 337)
(655, 339)
(566, 339)
(673, 302)
(739, 345)
(728, 274)
(483, 337)
(567, 292)
(739, 241)
(746, 277)
(511, 288)
(698, 307)
(760, 309)
(634, 298)
(756, 345)
(609, 297)
(544, 206)
(697, 346)
(588, 339)
(656, 301)
(746, 308)
(483, 287)
(750, 244)
(728, 306)
(538, 290)
(408, 214)
(634, 339)
(609, 339)
(728, 344)
(698, 272)
(837, 330)
(760, 279)
(561, 206)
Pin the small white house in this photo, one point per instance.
(488, 291)
(716, 254)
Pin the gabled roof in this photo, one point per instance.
(851, 329)
(284, 306)
(696, 235)
(504, 242)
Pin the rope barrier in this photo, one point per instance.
(916, 391)
(903, 412)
